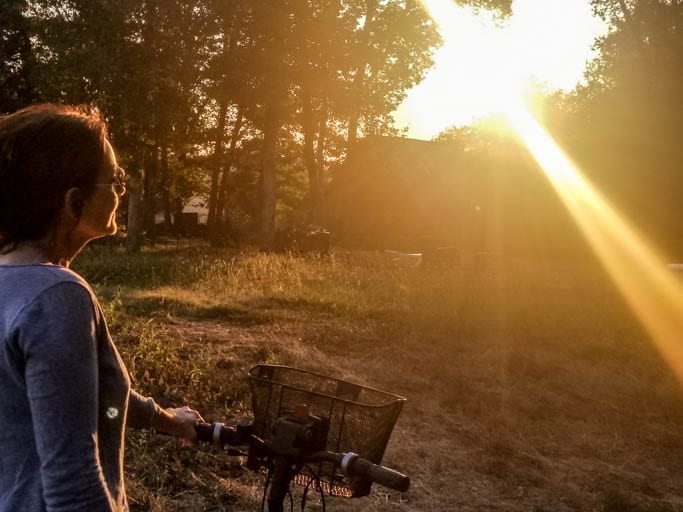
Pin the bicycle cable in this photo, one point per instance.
(266, 485)
(315, 478)
(265, 489)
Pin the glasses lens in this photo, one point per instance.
(119, 181)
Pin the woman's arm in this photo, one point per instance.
(180, 422)
(57, 334)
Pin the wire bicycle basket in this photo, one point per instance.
(356, 419)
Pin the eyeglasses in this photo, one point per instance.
(117, 183)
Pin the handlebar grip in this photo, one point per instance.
(218, 434)
(379, 474)
(205, 432)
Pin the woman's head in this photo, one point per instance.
(45, 152)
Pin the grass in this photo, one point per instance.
(530, 386)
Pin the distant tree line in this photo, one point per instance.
(252, 104)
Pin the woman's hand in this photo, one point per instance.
(179, 422)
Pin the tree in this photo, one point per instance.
(16, 58)
(299, 74)
(355, 61)
(628, 114)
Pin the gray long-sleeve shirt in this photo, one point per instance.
(65, 396)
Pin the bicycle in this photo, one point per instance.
(312, 430)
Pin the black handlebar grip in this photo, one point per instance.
(219, 435)
(204, 432)
(379, 474)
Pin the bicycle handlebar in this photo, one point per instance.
(351, 464)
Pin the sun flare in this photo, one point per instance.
(497, 73)
(485, 65)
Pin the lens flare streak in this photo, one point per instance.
(654, 294)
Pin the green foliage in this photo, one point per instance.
(16, 59)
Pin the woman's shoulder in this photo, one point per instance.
(33, 280)
(34, 289)
(40, 273)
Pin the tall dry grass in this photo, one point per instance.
(530, 386)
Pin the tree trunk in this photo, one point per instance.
(213, 219)
(357, 86)
(222, 206)
(320, 158)
(215, 202)
(352, 134)
(149, 183)
(165, 199)
(268, 176)
(309, 157)
(135, 213)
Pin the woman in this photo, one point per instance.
(65, 395)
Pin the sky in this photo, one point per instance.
(483, 63)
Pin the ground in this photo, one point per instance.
(540, 395)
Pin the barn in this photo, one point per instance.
(412, 195)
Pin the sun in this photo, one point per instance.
(496, 74)
(486, 65)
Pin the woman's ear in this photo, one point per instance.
(73, 205)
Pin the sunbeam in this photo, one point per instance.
(653, 293)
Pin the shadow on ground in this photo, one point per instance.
(154, 306)
(296, 304)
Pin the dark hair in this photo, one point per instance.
(45, 150)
